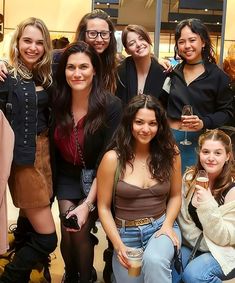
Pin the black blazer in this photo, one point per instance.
(127, 82)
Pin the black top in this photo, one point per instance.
(127, 81)
(210, 96)
(42, 118)
(94, 144)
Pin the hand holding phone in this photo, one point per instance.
(71, 222)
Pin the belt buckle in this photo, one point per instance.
(140, 222)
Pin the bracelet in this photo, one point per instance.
(90, 205)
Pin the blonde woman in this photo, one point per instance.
(26, 89)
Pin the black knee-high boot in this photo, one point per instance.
(35, 250)
(22, 234)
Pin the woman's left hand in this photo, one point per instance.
(202, 193)
(82, 212)
(170, 232)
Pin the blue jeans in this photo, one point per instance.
(202, 269)
(158, 253)
(188, 152)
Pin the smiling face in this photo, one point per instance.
(190, 45)
(31, 46)
(79, 72)
(213, 157)
(136, 45)
(145, 126)
(98, 43)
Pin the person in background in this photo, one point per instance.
(199, 82)
(26, 90)
(85, 114)
(147, 198)
(229, 68)
(140, 72)
(210, 211)
(60, 43)
(97, 29)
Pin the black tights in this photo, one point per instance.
(77, 248)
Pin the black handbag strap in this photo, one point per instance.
(78, 147)
(195, 249)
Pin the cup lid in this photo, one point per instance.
(135, 252)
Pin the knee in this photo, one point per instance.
(45, 243)
(155, 262)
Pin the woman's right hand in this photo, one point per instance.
(3, 71)
(122, 256)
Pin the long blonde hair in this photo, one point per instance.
(42, 69)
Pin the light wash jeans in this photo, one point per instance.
(158, 253)
(202, 269)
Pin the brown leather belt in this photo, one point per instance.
(130, 223)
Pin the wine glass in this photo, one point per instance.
(202, 179)
(186, 111)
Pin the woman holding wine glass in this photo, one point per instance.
(208, 209)
(199, 82)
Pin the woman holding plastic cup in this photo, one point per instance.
(147, 197)
(208, 209)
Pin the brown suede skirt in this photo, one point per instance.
(31, 186)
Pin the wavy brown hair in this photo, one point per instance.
(162, 147)
(108, 57)
(227, 176)
(42, 69)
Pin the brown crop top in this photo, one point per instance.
(132, 202)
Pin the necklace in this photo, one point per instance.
(197, 63)
(143, 163)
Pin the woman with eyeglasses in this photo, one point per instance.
(97, 29)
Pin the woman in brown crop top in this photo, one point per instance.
(148, 194)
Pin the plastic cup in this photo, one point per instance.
(135, 256)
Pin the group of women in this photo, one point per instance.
(88, 128)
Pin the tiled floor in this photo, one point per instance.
(57, 267)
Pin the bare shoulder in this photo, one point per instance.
(230, 196)
(110, 156)
(109, 160)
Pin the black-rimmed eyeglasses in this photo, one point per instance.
(92, 34)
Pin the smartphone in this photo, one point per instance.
(71, 222)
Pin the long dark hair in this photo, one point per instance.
(108, 57)
(227, 176)
(162, 146)
(196, 26)
(62, 97)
